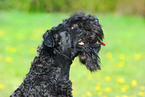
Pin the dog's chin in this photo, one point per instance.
(90, 61)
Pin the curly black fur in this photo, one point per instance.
(49, 72)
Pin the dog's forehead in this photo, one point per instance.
(77, 25)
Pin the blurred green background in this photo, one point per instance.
(23, 22)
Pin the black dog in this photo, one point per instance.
(80, 35)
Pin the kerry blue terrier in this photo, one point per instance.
(80, 35)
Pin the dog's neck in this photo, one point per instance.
(52, 67)
(64, 65)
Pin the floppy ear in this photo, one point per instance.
(48, 39)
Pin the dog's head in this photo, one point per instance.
(80, 35)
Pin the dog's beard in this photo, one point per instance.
(90, 58)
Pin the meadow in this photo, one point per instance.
(122, 59)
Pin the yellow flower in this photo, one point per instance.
(124, 96)
(141, 94)
(8, 59)
(1, 33)
(137, 56)
(98, 88)
(32, 51)
(142, 87)
(122, 57)
(109, 55)
(10, 49)
(107, 78)
(108, 89)
(89, 77)
(89, 94)
(105, 96)
(121, 64)
(134, 82)
(2, 86)
(121, 80)
(125, 88)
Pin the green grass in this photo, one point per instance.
(122, 60)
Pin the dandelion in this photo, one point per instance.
(124, 96)
(124, 88)
(121, 80)
(134, 82)
(142, 88)
(107, 78)
(32, 51)
(89, 77)
(12, 50)
(122, 57)
(137, 57)
(98, 88)
(109, 55)
(108, 89)
(8, 59)
(89, 94)
(1, 33)
(121, 64)
(141, 94)
(2, 86)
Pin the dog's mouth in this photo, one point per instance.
(89, 54)
(93, 42)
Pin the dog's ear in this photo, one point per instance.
(48, 39)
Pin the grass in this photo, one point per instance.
(122, 60)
